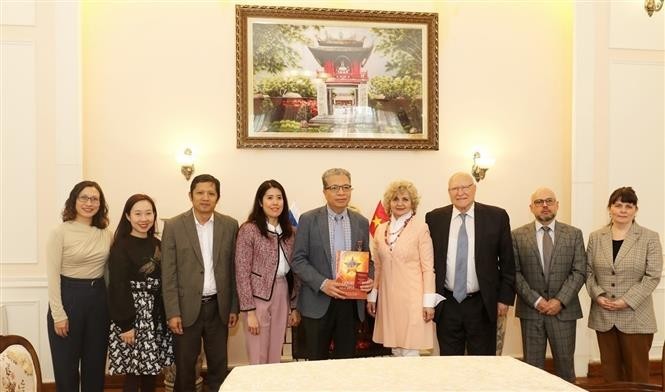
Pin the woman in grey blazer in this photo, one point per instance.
(625, 262)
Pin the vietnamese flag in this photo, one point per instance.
(379, 217)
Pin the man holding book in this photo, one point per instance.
(327, 313)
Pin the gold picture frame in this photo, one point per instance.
(336, 78)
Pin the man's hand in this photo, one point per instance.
(294, 318)
(128, 337)
(367, 285)
(175, 325)
(333, 289)
(62, 328)
(371, 308)
(552, 307)
(233, 320)
(541, 307)
(252, 323)
(501, 309)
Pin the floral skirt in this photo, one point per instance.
(153, 346)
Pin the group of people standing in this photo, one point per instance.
(454, 271)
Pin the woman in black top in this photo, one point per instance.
(140, 345)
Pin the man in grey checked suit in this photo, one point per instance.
(550, 271)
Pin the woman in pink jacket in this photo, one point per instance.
(266, 286)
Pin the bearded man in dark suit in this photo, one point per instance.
(551, 268)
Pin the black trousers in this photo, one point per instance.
(465, 327)
(214, 332)
(338, 325)
(85, 347)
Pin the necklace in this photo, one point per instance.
(398, 232)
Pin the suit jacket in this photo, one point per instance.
(182, 267)
(495, 265)
(256, 263)
(566, 276)
(311, 259)
(633, 277)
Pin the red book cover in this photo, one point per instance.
(353, 270)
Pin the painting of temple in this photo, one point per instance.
(344, 71)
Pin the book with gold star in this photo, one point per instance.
(352, 271)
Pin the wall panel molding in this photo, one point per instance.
(18, 133)
(17, 13)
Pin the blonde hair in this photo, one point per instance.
(401, 186)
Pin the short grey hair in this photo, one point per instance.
(336, 171)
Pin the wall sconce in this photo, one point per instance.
(186, 161)
(480, 166)
(651, 6)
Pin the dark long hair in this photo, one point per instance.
(258, 217)
(124, 225)
(101, 218)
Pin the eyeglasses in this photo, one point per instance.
(540, 202)
(462, 188)
(87, 199)
(337, 188)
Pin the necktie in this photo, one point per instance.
(461, 260)
(338, 241)
(547, 251)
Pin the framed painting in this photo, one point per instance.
(331, 78)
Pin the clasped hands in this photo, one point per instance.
(611, 304)
(550, 307)
(335, 289)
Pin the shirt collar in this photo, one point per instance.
(274, 229)
(209, 221)
(470, 212)
(332, 214)
(540, 225)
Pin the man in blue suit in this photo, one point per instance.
(326, 313)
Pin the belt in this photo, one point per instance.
(449, 294)
(76, 282)
(208, 298)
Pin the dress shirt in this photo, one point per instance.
(472, 285)
(346, 224)
(205, 234)
(283, 266)
(539, 240)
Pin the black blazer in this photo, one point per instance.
(495, 264)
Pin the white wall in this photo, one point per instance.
(618, 128)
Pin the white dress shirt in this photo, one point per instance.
(283, 267)
(205, 234)
(472, 285)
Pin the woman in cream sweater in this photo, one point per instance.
(78, 319)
